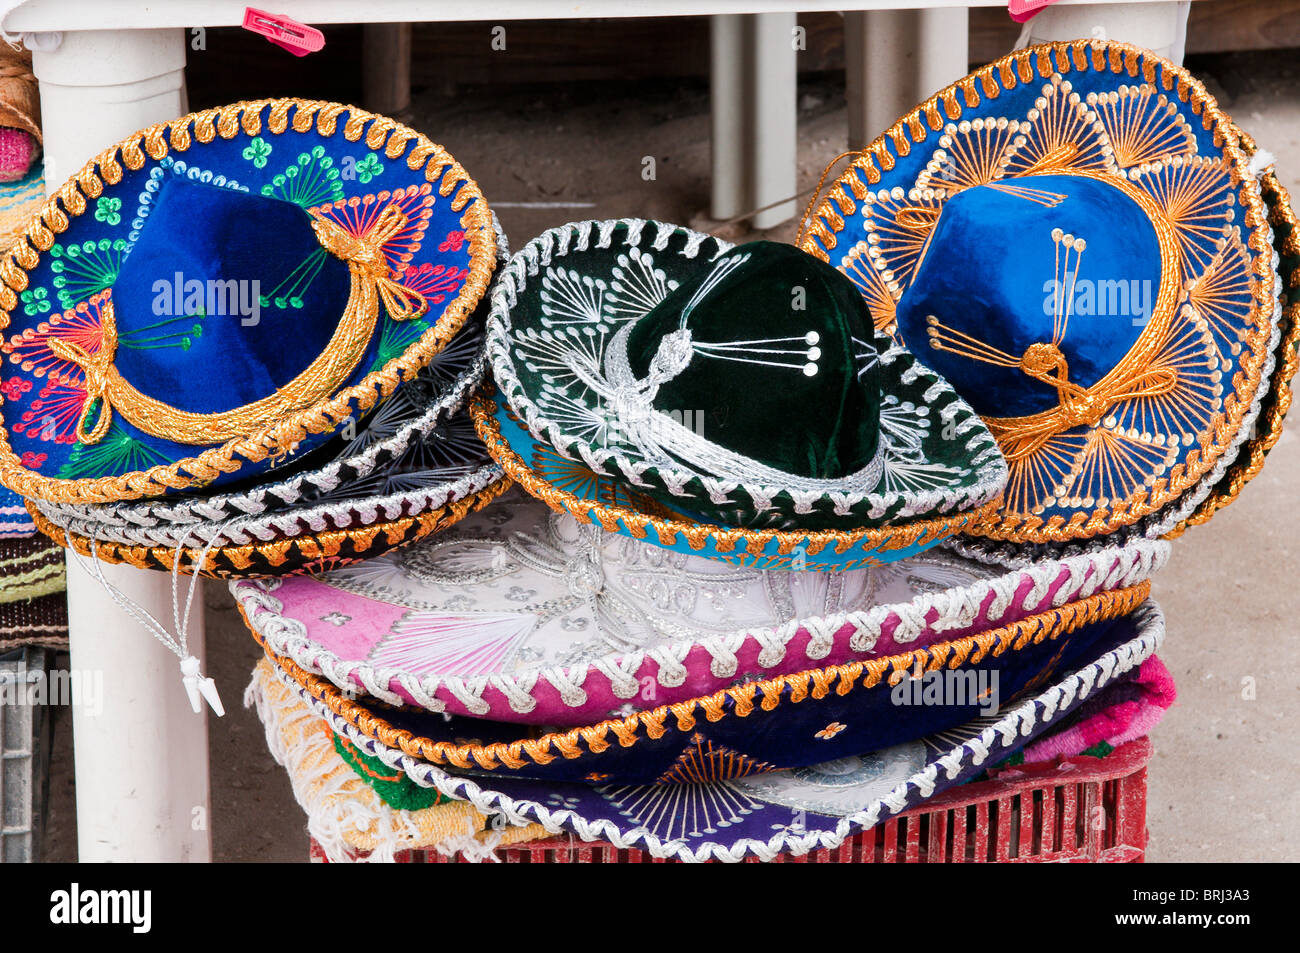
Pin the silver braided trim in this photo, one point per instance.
(1020, 722)
(956, 608)
(956, 415)
(325, 517)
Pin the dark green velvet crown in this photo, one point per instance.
(783, 367)
(743, 387)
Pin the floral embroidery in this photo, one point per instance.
(85, 269)
(336, 618)
(15, 387)
(831, 730)
(368, 168)
(435, 282)
(454, 241)
(311, 180)
(32, 461)
(107, 209)
(257, 151)
(118, 452)
(356, 216)
(35, 301)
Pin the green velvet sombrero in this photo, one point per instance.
(744, 386)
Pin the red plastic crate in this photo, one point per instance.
(1074, 810)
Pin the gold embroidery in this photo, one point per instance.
(1175, 181)
(226, 562)
(107, 390)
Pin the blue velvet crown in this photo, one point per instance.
(209, 309)
(1076, 244)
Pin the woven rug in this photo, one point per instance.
(42, 622)
(30, 568)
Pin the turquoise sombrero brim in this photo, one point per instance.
(340, 163)
(592, 498)
(1096, 110)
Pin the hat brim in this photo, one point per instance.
(1276, 393)
(568, 485)
(468, 641)
(311, 551)
(784, 722)
(1147, 452)
(765, 821)
(936, 457)
(245, 145)
(446, 464)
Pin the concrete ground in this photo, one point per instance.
(1225, 782)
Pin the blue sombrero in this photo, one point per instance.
(1072, 237)
(220, 293)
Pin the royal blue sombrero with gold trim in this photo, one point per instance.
(1073, 238)
(220, 293)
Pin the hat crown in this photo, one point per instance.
(221, 277)
(1030, 293)
(770, 354)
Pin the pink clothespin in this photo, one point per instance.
(1022, 10)
(298, 38)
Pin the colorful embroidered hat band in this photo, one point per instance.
(523, 615)
(686, 370)
(821, 714)
(373, 241)
(1052, 178)
(767, 814)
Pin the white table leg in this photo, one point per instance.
(754, 116)
(141, 762)
(1161, 27)
(895, 60)
(727, 115)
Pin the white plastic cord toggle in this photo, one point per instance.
(196, 684)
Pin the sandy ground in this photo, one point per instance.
(1225, 783)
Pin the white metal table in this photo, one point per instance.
(109, 67)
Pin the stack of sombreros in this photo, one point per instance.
(733, 620)
(241, 343)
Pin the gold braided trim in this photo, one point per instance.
(608, 515)
(288, 556)
(1030, 65)
(1269, 426)
(107, 390)
(817, 684)
(1088, 405)
(280, 435)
